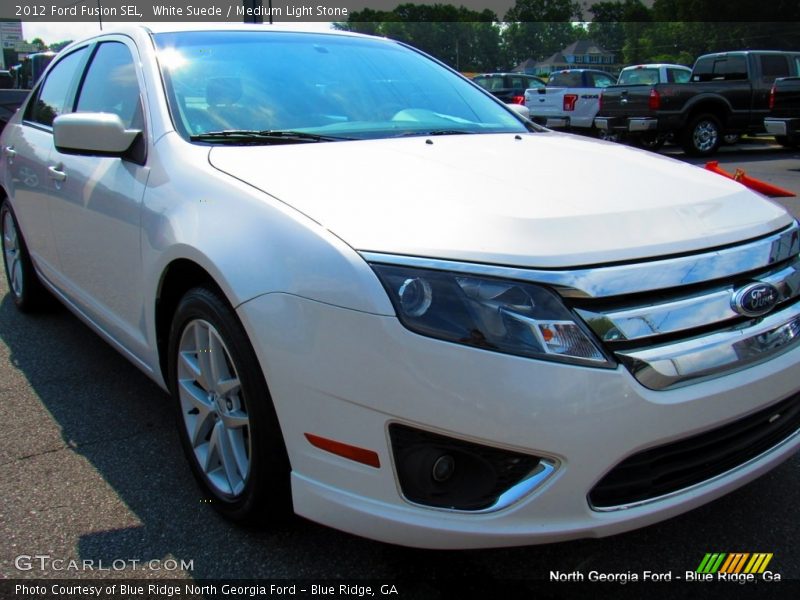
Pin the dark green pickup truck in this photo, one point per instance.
(784, 111)
(728, 93)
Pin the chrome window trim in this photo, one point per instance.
(676, 364)
(606, 281)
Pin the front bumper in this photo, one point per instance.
(347, 376)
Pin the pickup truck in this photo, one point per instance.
(728, 94)
(784, 117)
(570, 99)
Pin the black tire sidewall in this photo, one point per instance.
(266, 494)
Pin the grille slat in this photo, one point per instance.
(669, 468)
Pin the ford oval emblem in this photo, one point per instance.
(755, 299)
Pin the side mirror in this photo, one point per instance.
(521, 110)
(93, 134)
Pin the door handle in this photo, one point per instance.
(56, 173)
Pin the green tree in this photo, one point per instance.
(608, 18)
(59, 45)
(466, 40)
(538, 28)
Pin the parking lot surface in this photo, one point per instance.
(91, 470)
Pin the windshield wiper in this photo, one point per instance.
(424, 132)
(266, 136)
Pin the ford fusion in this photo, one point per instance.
(313, 242)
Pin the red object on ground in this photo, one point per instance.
(762, 187)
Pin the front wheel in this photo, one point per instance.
(702, 136)
(227, 423)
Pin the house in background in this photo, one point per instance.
(583, 54)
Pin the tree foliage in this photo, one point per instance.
(670, 31)
(467, 40)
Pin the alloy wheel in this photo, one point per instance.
(213, 408)
(705, 136)
(11, 254)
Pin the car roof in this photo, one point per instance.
(580, 71)
(135, 30)
(656, 66)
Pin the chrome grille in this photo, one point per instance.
(672, 337)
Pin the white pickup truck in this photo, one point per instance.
(570, 100)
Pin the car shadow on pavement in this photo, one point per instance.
(91, 469)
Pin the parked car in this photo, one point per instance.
(784, 111)
(728, 94)
(570, 100)
(508, 87)
(360, 318)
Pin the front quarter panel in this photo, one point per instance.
(249, 242)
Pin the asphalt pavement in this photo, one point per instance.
(91, 473)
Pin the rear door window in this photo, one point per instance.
(570, 79)
(773, 66)
(678, 75)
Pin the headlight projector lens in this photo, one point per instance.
(415, 296)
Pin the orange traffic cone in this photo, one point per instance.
(762, 187)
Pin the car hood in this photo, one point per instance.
(532, 200)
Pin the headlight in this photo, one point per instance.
(503, 316)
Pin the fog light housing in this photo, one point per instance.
(442, 472)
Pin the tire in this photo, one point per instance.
(649, 141)
(788, 142)
(608, 136)
(226, 420)
(730, 139)
(702, 136)
(24, 286)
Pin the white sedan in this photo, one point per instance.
(313, 242)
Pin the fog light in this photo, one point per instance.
(426, 470)
(443, 468)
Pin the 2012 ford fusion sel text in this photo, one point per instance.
(311, 240)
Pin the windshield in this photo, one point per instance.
(336, 87)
